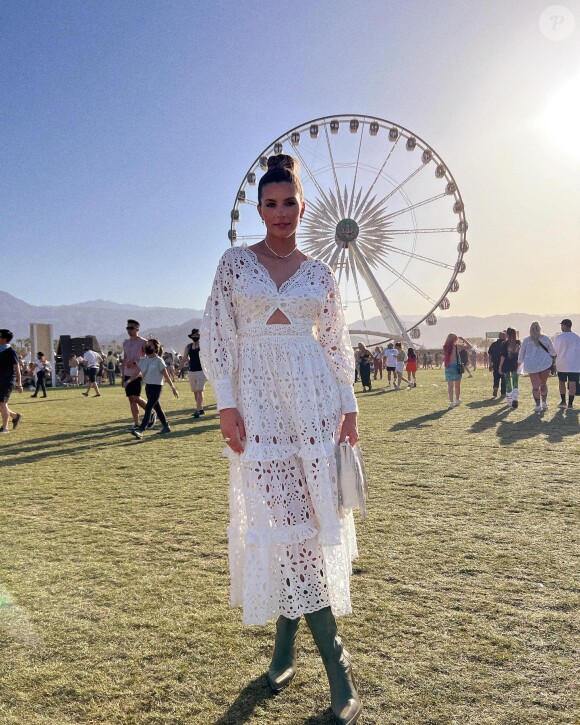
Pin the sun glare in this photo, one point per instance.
(561, 119)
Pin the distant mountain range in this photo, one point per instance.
(471, 326)
(106, 320)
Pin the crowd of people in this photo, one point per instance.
(507, 358)
(141, 361)
(537, 356)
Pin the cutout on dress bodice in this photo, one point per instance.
(278, 318)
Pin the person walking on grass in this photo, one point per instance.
(391, 364)
(537, 355)
(40, 367)
(508, 366)
(494, 357)
(92, 361)
(378, 363)
(399, 365)
(197, 377)
(411, 368)
(567, 347)
(153, 369)
(365, 359)
(10, 379)
(133, 351)
(111, 364)
(451, 363)
(464, 357)
(73, 371)
(276, 348)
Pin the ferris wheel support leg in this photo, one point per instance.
(333, 261)
(392, 320)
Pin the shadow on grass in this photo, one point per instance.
(423, 421)
(555, 429)
(253, 694)
(488, 403)
(490, 421)
(98, 437)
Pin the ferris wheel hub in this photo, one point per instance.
(347, 230)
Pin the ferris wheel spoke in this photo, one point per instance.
(246, 237)
(377, 177)
(333, 263)
(340, 204)
(415, 206)
(422, 231)
(321, 212)
(386, 309)
(311, 176)
(355, 175)
(400, 186)
(410, 284)
(419, 257)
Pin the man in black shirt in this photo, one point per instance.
(494, 354)
(10, 378)
(196, 374)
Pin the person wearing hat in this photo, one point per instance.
(567, 346)
(196, 375)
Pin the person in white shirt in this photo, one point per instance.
(391, 358)
(537, 355)
(92, 360)
(567, 347)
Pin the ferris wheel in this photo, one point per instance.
(382, 209)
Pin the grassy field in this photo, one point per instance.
(114, 604)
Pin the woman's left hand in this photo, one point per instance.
(349, 429)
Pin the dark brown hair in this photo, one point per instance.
(281, 168)
(156, 345)
(513, 344)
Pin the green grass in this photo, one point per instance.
(114, 600)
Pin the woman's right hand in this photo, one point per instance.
(232, 428)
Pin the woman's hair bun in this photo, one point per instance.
(284, 161)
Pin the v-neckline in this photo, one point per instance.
(269, 277)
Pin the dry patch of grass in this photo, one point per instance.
(114, 581)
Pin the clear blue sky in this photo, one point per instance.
(126, 128)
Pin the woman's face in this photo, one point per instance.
(281, 209)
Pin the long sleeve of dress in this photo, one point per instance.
(332, 334)
(219, 342)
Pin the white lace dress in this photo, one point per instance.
(290, 547)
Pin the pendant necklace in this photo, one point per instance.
(280, 256)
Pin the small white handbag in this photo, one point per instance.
(352, 480)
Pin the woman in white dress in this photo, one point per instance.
(277, 351)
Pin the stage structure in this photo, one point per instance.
(41, 340)
(382, 209)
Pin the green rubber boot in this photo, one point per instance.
(283, 666)
(344, 699)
